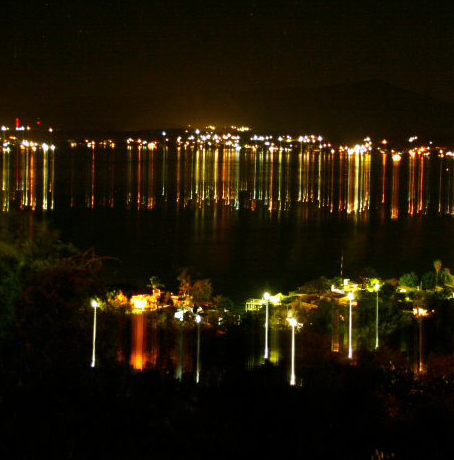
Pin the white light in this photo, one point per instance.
(292, 322)
(266, 296)
(94, 303)
(350, 296)
(198, 318)
(179, 314)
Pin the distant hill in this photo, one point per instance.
(342, 112)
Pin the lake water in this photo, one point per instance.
(249, 219)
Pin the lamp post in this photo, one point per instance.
(350, 348)
(198, 319)
(376, 287)
(266, 296)
(179, 314)
(94, 304)
(293, 323)
(420, 313)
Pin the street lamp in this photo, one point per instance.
(198, 319)
(350, 349)
(420, 313)
(94, 304)
(266, 296)
(376, 287)
(293, 323)
(179, 314)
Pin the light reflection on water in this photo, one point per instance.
(270, 217)
(140, 178)
(175, 347)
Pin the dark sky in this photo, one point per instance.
(109, 63)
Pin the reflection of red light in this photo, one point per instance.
(17, 122)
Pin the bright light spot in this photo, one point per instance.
(293, 322)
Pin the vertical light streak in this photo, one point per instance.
(45, 178)
(411, 183)
(395, 187)
(139, 177)
(92, 194)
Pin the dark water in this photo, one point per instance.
(249, 219)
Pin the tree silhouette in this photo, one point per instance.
(437, 266)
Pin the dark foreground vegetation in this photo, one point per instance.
(52, 404)
(339, 412)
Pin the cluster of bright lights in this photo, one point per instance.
(91, 144)
(144, 143)
(209, 139)
(420, 312)
(241, 129)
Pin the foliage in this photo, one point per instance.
(392, 319)
(321, 318)
(318, 285)
(445, 276)
(155, 283)
(202, 290)
(437, 266)
(371, 282)
(428, 280)
(337, 282)
(225, 304)
(45, 287)
(387, 291)
(409, 279)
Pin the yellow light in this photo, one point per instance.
(138, 302)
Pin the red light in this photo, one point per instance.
(38, 122)
(17, 122)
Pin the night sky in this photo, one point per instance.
(93, 64)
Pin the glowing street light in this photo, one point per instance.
(293, 323)
(350, 348)
(376, 287)
(420, 313)
(266, 296)
(198, 319)
(94, 304)
(179, 314)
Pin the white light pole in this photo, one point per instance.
(293, 323)
(266, 296)
(350, 348)
(94, 304)
(376, 287)
(198, 319)
(179, 371)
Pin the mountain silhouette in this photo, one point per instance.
(342, 112)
